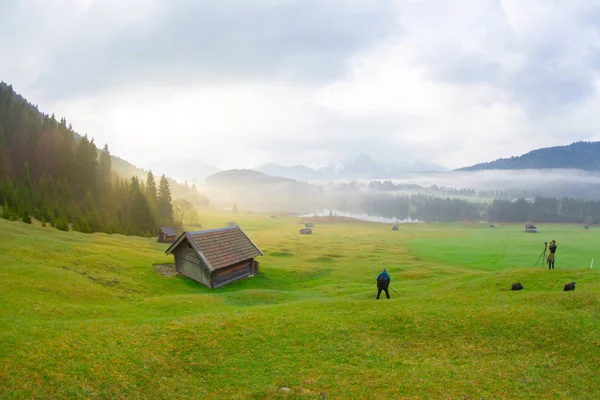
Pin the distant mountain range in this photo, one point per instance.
(578, 155)
(244, 176)
(362, 166)
(183, 169)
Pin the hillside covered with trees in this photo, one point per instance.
(51, 173)
(578, 155)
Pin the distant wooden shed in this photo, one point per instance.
(166, 234)
(530, 228)
(215, 257)
(309, 225)
(306, 231)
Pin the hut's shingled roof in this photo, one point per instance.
(169, 231)
(221, 248)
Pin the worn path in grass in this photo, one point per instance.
(88, 316)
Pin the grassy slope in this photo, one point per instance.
(87, 316)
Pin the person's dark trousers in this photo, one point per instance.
(551, 265)
(385, 289)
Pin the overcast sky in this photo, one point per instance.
(237, 83)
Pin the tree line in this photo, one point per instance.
(545, 209)
(434, 208)
(422, 207)
(49, 172)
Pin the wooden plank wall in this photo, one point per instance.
(229, 274)
(189, 264)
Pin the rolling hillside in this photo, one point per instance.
(578, 155)
(87, 316)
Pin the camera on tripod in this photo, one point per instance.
(543, 255)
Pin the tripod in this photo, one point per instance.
(542, 255)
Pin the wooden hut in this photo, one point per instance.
(530, 228)
(215, 257)
(166, 234)
(306, 231)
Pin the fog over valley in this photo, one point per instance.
(400, 198)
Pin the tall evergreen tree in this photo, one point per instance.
(89, 213)
(65, 152)
(85, 171)
(1, 150)
(135, 183)
(165, 206)
(25, 194)
(104, 170)
(142, 219)
(151, 192)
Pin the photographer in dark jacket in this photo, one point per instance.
(383, 281)
(550, 259)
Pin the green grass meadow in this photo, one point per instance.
(87, 316)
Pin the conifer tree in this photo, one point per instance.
(104, 171)
(1, 150)
(6, 212)
(85, 172)
(151, 188)
(65, 152)
(89, 213)
(135, 183)
(165, 206)
(25, 196)
(142, 219)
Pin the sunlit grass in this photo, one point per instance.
(88, 316)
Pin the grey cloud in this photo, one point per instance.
(229, 40)
(560, 62)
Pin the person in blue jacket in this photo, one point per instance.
(383, 281)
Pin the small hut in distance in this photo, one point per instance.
(306, 231)
(530, 228)
(309, 225)
(167, 234)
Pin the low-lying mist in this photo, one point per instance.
(270, 194)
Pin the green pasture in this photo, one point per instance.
(87, 316)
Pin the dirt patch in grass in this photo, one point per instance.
(167, 270)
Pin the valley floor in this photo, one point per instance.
(88, 316)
